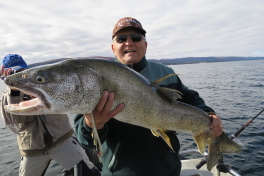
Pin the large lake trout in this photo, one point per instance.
(75, 86)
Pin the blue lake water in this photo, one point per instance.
(235, 90)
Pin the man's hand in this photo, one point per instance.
(102, 112)
(216, 125)
(5, 72)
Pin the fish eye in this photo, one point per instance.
(40, 79)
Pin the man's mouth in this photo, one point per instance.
(130, 51)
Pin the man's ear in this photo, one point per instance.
(146, 47)
(113, 48)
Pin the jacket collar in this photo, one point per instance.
(139, 66)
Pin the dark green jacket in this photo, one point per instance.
(130, 150)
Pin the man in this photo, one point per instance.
(128, 149)
(41, 138)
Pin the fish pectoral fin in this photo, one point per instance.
(163, 135)
(161, 79)
(97, 141)
(171, 94)
(218, 146)
(155, 133)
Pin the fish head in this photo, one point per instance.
(59, 89)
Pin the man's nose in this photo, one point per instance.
(129, 41)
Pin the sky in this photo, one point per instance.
(52, 29)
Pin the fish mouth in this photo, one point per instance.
(34, 106)
(28, 107)
(33, 103)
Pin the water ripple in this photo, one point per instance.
(236, 93)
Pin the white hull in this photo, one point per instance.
(189, 169)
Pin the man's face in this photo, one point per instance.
(129, 52)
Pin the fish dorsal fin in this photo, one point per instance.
(164, 136)
(171, 94)
(155, 83)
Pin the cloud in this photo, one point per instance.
(44, 30)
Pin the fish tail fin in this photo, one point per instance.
(218, 146)
(97, 141)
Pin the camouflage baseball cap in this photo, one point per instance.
(128, 22)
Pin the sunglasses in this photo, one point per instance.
(134, 38)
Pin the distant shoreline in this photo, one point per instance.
(193, 60)
(176, 61)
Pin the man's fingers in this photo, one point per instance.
(6, 72)
(216, 125)
(101, 103)
(117, 110)
(109, 102)
(215, 121)
(103, 112)
(2, 69)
